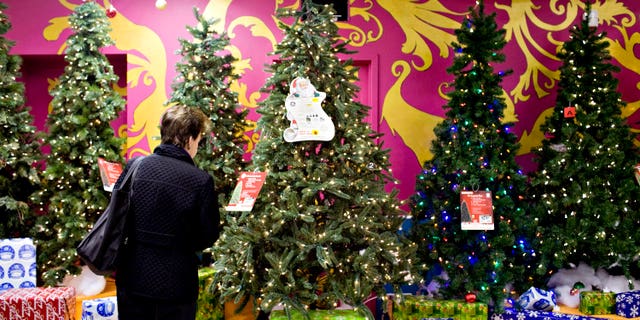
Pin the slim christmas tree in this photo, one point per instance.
(79, 132)
(468, 214)
(205, 73)
(20, 144)
(587, 200)
(323, 229)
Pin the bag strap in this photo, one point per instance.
(128, 178)
(127, 181)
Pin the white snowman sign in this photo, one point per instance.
(308, 120)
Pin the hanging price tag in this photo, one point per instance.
(476, 210)
(109, 173)
(246, 192)
(570, 112)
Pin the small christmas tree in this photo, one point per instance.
(586, 197)
(20, 152)
(323, 229)
(474, 157)
(79, 132)
(205, 74)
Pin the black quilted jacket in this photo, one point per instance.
(175, 214)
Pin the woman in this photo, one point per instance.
(175, 215)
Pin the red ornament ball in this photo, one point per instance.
(470, 297)
(111, 12)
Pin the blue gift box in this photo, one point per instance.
(537, 299)
(100, 309)
(513, 314)
(17, 263)
(628, 304)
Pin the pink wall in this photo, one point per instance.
(403, 47)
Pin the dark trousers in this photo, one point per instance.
(132, 308)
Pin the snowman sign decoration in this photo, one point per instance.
(308, 120)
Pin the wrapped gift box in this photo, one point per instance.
(596, 302)
(100, 309)
(109, 291)
(537, 299)
(207, 308)
(17, 263)
(628, 304)
(336, 314)
(418, 307)
(513, 314)
(51, 303)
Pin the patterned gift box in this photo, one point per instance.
(17, 263)
(417, 308)
(471, 311)
(100, 309)
(628, 304)
(207, 309)
(51, 303)
(596, 302)
(513, 314)
(336, 314)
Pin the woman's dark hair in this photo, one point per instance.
(180, 122)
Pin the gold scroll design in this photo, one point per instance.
(426, 21)
(357, 36)
(521, 15)
(517, 28)
(421, 21)
(543, 79)
(147, 62)
(401, 122)
(414, 126)
(623, 50)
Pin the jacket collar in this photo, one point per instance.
(173, 151)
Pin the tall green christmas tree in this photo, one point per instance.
(20, 151)
(323, 229)
(587, 200)
(79, 132)
(205, 74)
(468, 214)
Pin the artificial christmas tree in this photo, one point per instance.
(586, 197)
(20, 153)
(323, 230)
(79, 132)
(468, 213)
(205, 74)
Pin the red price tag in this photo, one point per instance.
(476, 210)
(570, 112)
